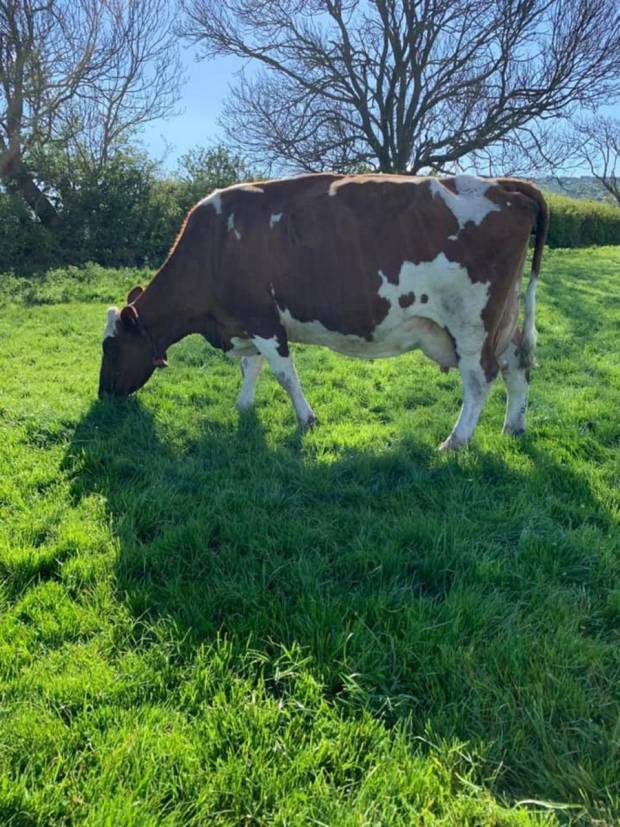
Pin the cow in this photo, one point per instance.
(367, 265)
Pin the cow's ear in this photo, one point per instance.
(134, 293)
(129, 316)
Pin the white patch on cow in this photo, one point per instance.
(284, 371)
(469, 203)
(452, 237)
(250, 368)
(214, 200)
(231, 226)
(275, 218)
(241, 347)
(247, 188)
(113, 315)
(509, 203)
(315, 333)
(268, 347)
(475, 391)
(452, 301)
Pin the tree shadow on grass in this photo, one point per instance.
(417, 586)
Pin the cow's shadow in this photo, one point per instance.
(230, 536)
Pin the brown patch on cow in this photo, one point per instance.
(407, 299)
(399, 210)
(283, 349)
(448, 183)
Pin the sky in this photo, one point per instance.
(202, 98)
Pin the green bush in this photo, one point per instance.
(576, 222)
(24, 241)
(127, 212)
(202, 170)
(124, 213)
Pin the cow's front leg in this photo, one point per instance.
(250, 370)
(276, 352)
(476, 387)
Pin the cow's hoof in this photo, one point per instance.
(309, 423)
(514, 431)
(451, 444)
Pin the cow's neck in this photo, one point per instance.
(168, 306)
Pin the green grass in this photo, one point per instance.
(207, 620)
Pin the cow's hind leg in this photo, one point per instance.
(276, 352)
(517, 388)
(475, 372)
(250, 370)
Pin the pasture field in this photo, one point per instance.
(215, 620)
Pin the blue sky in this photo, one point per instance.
(201, 103)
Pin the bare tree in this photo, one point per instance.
(80, 73)
(402, 85)
(596, 144)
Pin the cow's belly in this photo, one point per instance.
(421, 305)
(416, 332)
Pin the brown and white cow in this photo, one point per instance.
(368, 265)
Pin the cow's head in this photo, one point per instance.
(129, 353)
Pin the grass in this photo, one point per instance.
(207, 619)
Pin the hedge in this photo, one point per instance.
(129, 216)
(576, 222)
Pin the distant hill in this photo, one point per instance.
(584, 186)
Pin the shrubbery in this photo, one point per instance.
(23, 239)
(127, 213)
(580, 223)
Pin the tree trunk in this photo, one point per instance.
(21, 183)
(18, 180)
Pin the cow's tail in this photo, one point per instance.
(527, 348)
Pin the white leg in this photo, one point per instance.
(250, 369)
(517, 389)
(284, 371)
(475, 390)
